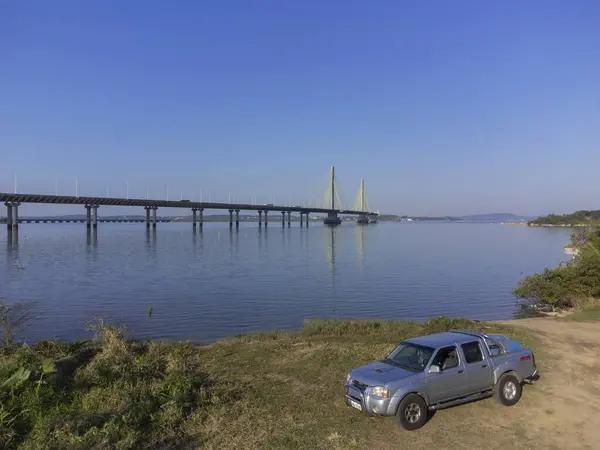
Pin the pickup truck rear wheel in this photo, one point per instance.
(508, 390)
(412, 412)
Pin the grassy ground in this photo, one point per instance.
(268, 390)
(584, 315)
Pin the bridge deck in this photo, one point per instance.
(115, 201)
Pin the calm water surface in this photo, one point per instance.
(206, 285)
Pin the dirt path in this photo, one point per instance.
(565, 407)
(561, 411)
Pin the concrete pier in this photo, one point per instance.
(95, 215)
(147, 208)
(194, 211)
(307, 219)
(289, 213)
(266, 217)
(200, 217)
(237, 218)
(9, 215)
(332, 219)
(15, 215)
(259, 218)
(231, 218)
(154, 208)
(301, 219)
(283, 218)
(362, 219)
(88, 216)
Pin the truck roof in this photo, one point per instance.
(442, 339)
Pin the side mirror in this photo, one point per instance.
(495, 351)
(434, 369)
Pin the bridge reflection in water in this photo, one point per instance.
(331, 235)
(12, 247)
(331, 252)
(12, 241)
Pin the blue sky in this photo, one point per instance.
(443, 107)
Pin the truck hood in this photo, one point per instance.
(379, 373)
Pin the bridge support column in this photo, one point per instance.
(362, 219)
(266, 218)
(154, 208)
(282, 219)
(289, 213)
(95, 216)
(147, 208)
(194, 211)
(307, 219)
(88, 216)
(237, 218)
(260, 218)
(9, 215)
(301, 219)
(201, 217)
(231, 218)
(332, 218)
(15, 215)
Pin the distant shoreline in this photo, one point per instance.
(564, 225)
(522, 224)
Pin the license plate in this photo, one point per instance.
(356, 405)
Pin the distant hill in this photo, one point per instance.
(440, 218)
(497, 217)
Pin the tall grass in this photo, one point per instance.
(109, 393)
(267, 390)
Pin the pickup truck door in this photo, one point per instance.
(478, 366)
(451, 381)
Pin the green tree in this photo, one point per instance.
(565, 285)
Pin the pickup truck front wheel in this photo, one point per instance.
(508, 390)
(412, 412)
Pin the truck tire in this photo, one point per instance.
(508, 390)
(412, 412)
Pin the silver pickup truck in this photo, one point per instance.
(439, 370)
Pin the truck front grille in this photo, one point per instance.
(359, 385)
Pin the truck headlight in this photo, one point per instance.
(381, 392)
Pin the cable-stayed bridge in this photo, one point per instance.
(332, 208)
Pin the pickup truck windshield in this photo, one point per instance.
(409, 356)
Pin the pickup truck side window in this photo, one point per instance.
(472, 352)
(446, 358)
(496, 348)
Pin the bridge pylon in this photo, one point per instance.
(361, 204)
(332, 195)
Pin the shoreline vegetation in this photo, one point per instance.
(574, 284)
(582, 218)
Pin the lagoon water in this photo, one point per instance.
(206, 285)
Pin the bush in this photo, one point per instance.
(14, 317)
(566, 285)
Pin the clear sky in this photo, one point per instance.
(444, 107)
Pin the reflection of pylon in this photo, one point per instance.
(331, 255)
(360, 245)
